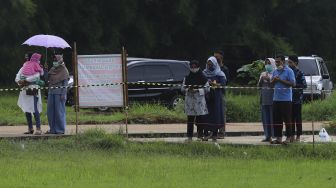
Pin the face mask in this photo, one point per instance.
(211, 69)
(56, 64)
(194, 70)
(280, 67)
(269, 68)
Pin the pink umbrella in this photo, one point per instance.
(48, 41)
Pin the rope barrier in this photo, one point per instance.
(153, 84)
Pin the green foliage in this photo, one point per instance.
(250, 73)
(179, 29)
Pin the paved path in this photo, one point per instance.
(238, 133)
(231, 128)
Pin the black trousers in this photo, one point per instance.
(282, 112)
(199, 121)
(297, 119)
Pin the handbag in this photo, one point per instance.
(31, 91)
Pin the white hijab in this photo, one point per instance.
(216, 72)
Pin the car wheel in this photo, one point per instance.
(176, 101)
(323, 95)
(103, 109)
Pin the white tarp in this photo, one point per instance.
(100, 69)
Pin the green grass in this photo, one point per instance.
(96, 159)
(11, 114)
(241, 107)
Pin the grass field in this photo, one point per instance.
(96, 159)
(240, 108)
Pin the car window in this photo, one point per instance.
(309, 67)
(179, 70)
(135, 74)
(157, 73)
(324, 68)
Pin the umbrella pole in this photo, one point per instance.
(46, 59)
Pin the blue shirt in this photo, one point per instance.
(283, 92)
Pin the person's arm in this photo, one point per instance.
(64, 89)
(302, 81)
(184, 89)
(18, 75)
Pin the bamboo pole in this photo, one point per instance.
(125, 87)
(75, 86)
(311, 98)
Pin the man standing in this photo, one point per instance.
(219, 55)
(283, 80)
(297, 96)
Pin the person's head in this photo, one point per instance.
(212, 63)
(28, 56)
(57, 60)
(293, 61)
(219, 55)
(270, 65)
(36, 57)
(280, 62)
(194, 66)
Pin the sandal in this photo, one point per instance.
(38, 132)
(48, 132)
(29, 132)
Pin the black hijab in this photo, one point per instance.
(197, 78)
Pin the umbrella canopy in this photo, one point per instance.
(48, 41)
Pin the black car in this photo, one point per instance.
(152, 80)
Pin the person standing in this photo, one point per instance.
(30, 100)
(219, 55)
(216, 79)
(195, 86)
(283, 80)
(266, 99)
(58, 80)
(301, 83)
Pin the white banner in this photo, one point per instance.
(100, 69)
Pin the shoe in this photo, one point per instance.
(214, 139)
(297, 139)
(220, 136)
(276, 142)
(199, 139)
(29, 132)
(188, 140)
(206, 138)
(48, 132)
(266, 140)
(38, 132)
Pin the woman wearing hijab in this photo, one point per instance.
(216, 78)
(58, 80)
(30, 96)
(195, 87)
(266, 99)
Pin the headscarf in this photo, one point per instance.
(33, 65)
(216, 72)
(196, 78)
(35, 57)
(265, 73)
(272, 63)
(58, 74)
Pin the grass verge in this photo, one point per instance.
(97, 159)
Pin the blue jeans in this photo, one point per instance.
(36, 116)
(56, 114)
(267, 120)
